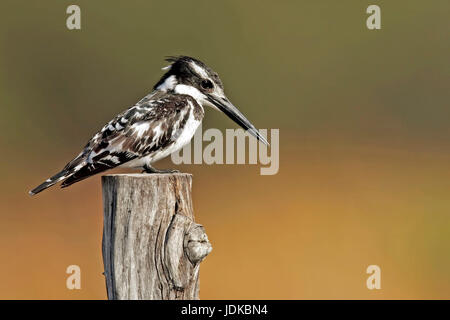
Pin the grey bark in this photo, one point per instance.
(152, 248)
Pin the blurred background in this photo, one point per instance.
(364, 123)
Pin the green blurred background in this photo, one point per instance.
(364, 142)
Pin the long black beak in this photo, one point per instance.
(224, 105)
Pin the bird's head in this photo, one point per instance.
(186, 75)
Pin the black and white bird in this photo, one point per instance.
(159, 124)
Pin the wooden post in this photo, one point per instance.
(152, 248)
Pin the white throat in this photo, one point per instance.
(191, 91)
(171, 84)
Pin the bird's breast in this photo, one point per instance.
(183, 135)
(182, 132)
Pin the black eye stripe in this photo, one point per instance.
(207, 84)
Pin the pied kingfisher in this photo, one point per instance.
(161, 123)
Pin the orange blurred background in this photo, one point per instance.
(364, 142)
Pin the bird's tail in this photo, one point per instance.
(64, 174)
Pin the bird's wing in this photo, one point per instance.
(148, 126)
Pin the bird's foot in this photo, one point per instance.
(150, 169)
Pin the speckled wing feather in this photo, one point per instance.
(148, 126)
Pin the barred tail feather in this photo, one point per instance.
(50, 181)
(70, 175)
(84, 172)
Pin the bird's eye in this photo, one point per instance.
(207, 84)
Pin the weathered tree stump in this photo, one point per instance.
(152, 248)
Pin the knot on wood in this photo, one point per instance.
(184, 238)
(196, 243)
